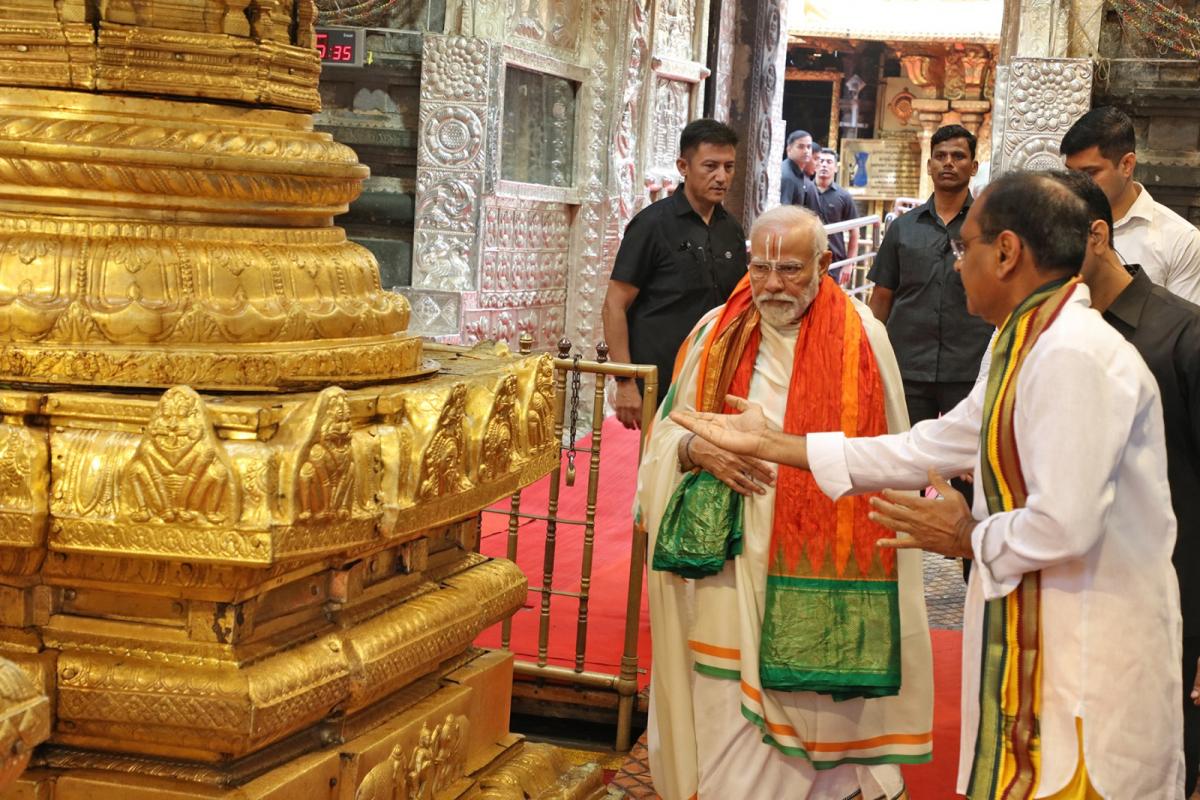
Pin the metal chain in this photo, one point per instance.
(575, 384)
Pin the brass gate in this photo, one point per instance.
(569, 370)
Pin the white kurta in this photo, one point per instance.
(700, 739)
(1097, 523)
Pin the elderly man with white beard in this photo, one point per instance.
(780, 631)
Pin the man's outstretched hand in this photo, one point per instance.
(940, 526)
(743, 433)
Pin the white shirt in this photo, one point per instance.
(1097, 523)
(1164, 243)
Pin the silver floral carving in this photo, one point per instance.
(452, 136)
(457, 74)
(455, 68)
(618, 53)
(1048, 94)
(1036, 102)
(1036, 153)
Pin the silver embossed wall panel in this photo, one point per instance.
(523, 275)
(1037, 100)
(617, 43)
(457, 72)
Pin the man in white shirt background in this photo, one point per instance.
(1073, 413)
(1165, 245)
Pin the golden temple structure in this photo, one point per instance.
(238, 501)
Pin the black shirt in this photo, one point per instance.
(836, 206)
(796, 188)
(935, 338)
(682, 268)
(1165, 329)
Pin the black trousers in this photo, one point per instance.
(1191, 715)
(929, 400)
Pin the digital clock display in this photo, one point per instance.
(340, 46)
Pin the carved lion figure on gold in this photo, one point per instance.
(179, 471)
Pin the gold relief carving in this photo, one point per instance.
(540, 771)
(498, 450)
(324, 473)
(179, 472)
(197, 291)
(444, 462)
(24, 721)
(206, 581)
(539, 425)
(191, 700)
(438, 759)
(147, 706)
(85, 466)
(162, 541)
(24, 486)
(246, 367)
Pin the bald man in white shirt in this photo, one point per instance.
(1101, 143)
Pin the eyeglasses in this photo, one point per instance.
(788, 270)
(959, 246)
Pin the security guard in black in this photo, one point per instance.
(682, 267)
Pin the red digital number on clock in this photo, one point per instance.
(322, 39)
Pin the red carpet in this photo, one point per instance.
(610, 561)
(610, 575)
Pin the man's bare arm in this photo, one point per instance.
(881, 302)
(852, 249)
(746, 433)
(617, 300)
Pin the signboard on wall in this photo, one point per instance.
(881, 169)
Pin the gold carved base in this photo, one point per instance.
(451, 743)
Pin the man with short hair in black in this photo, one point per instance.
(1165, 329)
(918, 293)
(796, 188)
(680, 257)
(836, 206)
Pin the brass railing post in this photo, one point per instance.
(560, 384)
(526, 347)
(589, 525)
(624, 684)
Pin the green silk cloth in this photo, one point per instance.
(701, 527)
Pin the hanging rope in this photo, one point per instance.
(356, 13)
(1167, 28)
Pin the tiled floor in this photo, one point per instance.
(945, 591)
(633, 779)
(944, 594)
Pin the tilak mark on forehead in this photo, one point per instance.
(774, 246)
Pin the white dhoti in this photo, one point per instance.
(714, 732)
